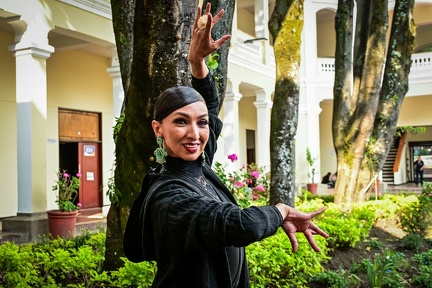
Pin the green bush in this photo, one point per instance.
(336, 279)
(134, 274)
(413, 241)
(16, 266)
(273, 264)
(424, 276)
(73, 262)
(385, 207)
(416, 216)
(346, 228)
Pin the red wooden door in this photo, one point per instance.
(89, 167)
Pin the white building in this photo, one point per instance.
(58, 65)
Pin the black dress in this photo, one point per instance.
(189, 222)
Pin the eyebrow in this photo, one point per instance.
(188, 116)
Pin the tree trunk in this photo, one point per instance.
(285, 25)
(395, 83)
(153, 40)
(357, 134)
(161, 31)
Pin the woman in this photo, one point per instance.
(184, 217)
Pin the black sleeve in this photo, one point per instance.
(207, 88)
(194, 223)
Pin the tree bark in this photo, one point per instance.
(285, 25)
(356, 127)
(395, 83)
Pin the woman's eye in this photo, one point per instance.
(203, 122)
(180, 121)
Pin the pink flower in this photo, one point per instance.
(233, 157)
(66, 175)
(255, 174)
(79, 204)
(239, 184)
(260, 188)
(255, 197)
(78, 175)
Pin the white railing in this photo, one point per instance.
(252, 51)
(325, 69)
(421, 66)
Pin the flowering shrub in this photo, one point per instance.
(67, 190)
(248, 185)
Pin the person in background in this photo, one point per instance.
(185, 218)
(333, 179)
(418, 168)
(326, 179)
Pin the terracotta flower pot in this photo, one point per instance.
(312, 187)
(62, 224)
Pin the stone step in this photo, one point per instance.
(25, 228)
(17, 238)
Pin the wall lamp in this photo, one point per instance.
(253, 40)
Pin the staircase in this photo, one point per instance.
(387, 171)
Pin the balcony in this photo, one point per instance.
(259, 54)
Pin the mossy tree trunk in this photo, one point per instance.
(153, 40)
(366, 104)
(285, 25)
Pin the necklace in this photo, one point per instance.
(202, 182)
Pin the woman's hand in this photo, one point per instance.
(297, 221)
(202, 44)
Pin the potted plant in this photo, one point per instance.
(311, 186)
(61, 222)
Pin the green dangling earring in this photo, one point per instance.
(203, 158)
(160, 152)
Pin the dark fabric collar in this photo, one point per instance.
(175, 166)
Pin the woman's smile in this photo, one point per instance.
(192, 148)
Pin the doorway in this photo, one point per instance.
(250, 146)
(423, 149)
(79, 152)
(69, 161)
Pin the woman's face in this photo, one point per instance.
(185, 131)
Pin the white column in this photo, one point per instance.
(230, 131)
(263, 105)
(261, 26)
(31, 53)
(109, 144)
(308, 128)
(261, 18)
(313, 135)
(118, 92)
(309, 43)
